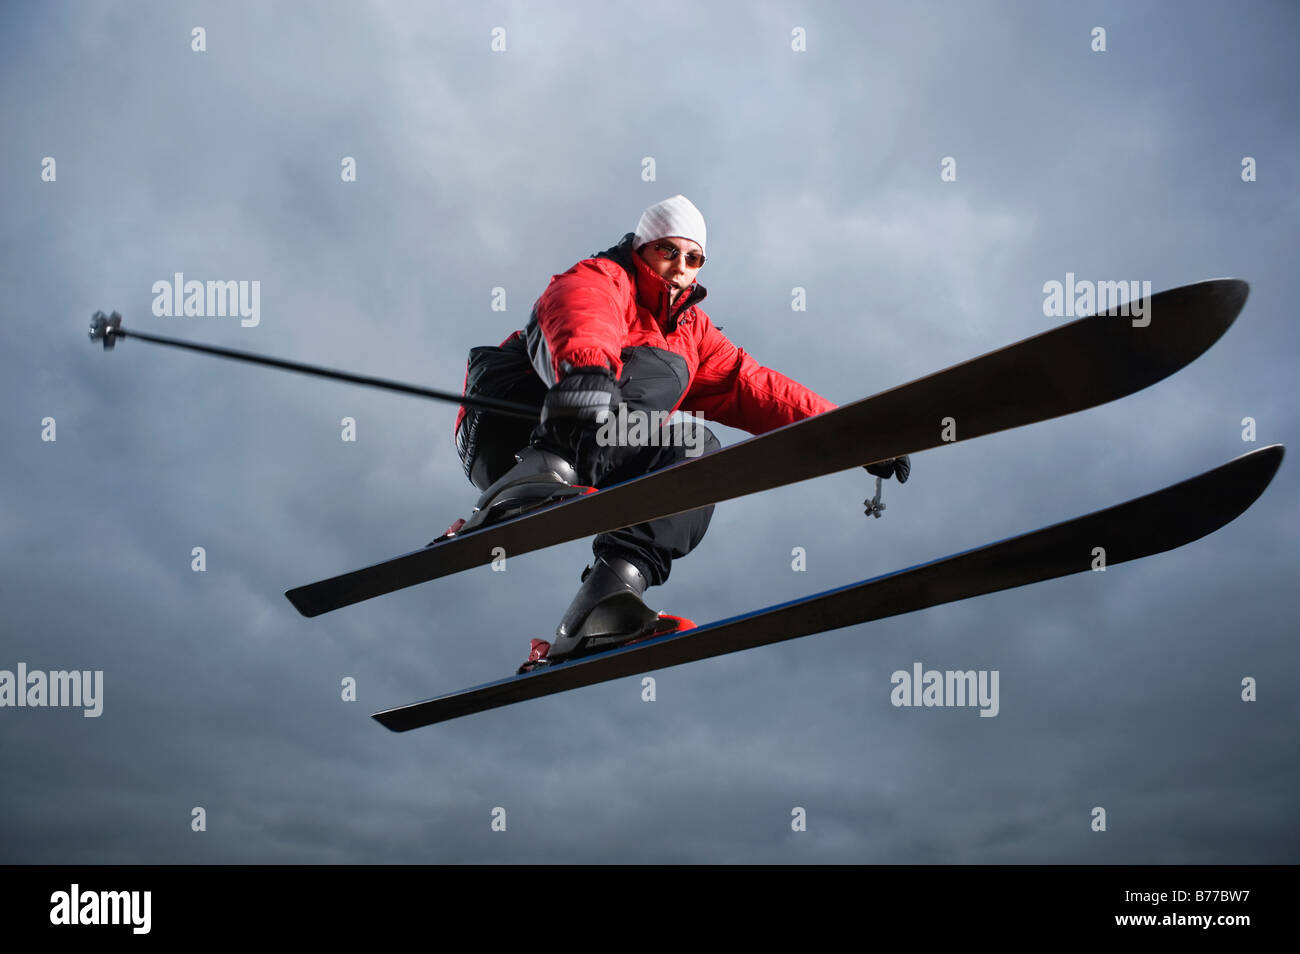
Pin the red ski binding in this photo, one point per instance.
(665, 623)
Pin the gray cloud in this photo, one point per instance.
(479, 170)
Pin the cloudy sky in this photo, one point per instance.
(480, 169)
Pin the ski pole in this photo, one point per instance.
(108, 328)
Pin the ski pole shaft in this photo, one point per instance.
(108, 329)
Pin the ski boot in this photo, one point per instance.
(538, 478)
(607, 612)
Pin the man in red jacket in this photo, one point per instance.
(619, 333)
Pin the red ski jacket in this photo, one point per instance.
(614, 300)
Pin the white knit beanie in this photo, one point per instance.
(676, 217)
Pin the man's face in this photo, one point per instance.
(676, 271)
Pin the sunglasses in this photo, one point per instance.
(670, 252)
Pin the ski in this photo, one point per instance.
(1151, 524)
(1070, 368)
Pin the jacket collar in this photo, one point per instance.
(652, 292)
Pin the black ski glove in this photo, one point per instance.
(582, 396)
(900, 468)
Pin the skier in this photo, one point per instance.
(619, 333)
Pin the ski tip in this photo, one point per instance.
(1232, 291)
(1203, 312)
(1238, 286)
(1253, 471)
(1218, 299)
(1265, 461)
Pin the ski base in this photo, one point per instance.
(1075, 366)
(1155, 523)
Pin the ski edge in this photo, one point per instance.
(1231, 292)
(1258, 468)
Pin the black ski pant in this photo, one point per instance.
(652, 380)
